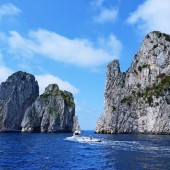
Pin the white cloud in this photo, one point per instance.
(111, 44)
(79, 52)
(45, 80)
(106, 15)
(8, 10)
(4, 71)
(20, 45)
(152, 15)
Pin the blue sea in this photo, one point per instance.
(24, 151)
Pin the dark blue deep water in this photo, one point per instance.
(51, 151)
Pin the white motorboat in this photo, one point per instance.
(78, 138)
(77, 134)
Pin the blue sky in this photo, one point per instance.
(70, 42)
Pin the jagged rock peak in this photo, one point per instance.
(154, 41)
(16, 95)
(154, 38)
(113, 69)
(157, 35)
(20, 76)
(51, 87)
(54, 89)
(138, 101)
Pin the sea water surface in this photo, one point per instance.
(116, 152)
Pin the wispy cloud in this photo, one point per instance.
(8, 10)
(4, 71)
(79, 52)
(43, 80)
(104, 14)
(151, 15)
(46, 79)
(111, 44)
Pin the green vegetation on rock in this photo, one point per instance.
(147, 36)
(158, 33)
(156, 90)
(113, 108)
(155, 46)
(126, 100)
(45, 95)
(64, 95)
(67, 97)
(70, 104)
(50, 93)
(143, 66)
(52, 111)
(167, 37)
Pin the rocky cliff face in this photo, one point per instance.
(138, 101)
(16, 95)
(53, 111)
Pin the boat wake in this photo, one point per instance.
(83, 139)
(140, 146)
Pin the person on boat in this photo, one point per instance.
(90, 137)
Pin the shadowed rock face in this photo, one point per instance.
(53, 111)
(138, 101)
(16, 95)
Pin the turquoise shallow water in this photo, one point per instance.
(52, 151)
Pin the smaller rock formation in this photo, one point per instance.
(16, 95)
(76, 126)
(53, 111)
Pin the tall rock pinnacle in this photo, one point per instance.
(16, 95)
(138, 101)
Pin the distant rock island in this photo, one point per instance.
(53, 111)
(138, 101)
(22, 109)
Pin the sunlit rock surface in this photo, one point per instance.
(138, 101)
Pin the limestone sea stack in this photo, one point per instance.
(53, 111)
(138, 101)
(16, 95)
